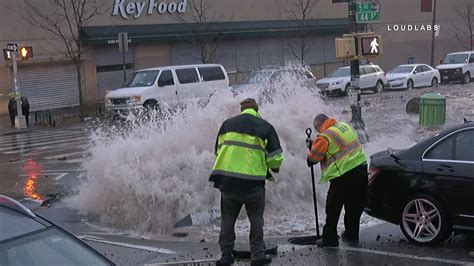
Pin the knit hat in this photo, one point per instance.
(248, 103)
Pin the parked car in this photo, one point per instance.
(457, 67)
(338, 83)
(28, 239)
(428, 188)
(413, 76)
(172, 85)
(267, 78)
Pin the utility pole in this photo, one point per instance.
(356, 107)
(20, 121)
(433, 23)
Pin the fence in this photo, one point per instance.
(55, 116)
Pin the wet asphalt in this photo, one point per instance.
(44, 165)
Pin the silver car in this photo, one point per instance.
(413, 76)
(338, 83)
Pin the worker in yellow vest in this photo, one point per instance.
(247, 148)
(343, 164)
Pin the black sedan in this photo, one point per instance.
(27, 239)
(427, 189)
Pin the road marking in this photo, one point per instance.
(401, 255)
(9, 139)
(127, 245)
(60, 176)
(16, 143)
(35, 144)
(186, 262)
(59, 156)
(49, 146)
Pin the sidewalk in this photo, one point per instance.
(6, 129)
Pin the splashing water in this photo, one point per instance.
(148, 177)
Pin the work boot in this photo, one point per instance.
(348, 238)
(226, 260)
(264, 261)
(321, 243)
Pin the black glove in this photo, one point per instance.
(309, 142)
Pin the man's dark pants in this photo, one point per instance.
(348, 190)
(231, 203)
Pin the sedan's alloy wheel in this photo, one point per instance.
(422, 220)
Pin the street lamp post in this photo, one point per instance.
(20, 121)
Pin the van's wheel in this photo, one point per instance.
(410, 85)
(466, 78)
(434, 82)
(151, 106)
(424, 221)
(347, 89)
(379, 87)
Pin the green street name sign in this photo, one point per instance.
(367, 12)
(367, 17)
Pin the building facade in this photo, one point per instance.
(242, 35)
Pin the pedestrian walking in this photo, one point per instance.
(247, 147)
(343, 164)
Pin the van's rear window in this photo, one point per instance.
(211, 73)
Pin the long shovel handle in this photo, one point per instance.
(308, 134)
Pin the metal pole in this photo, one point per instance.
(308, 134)
(124, 67)
(356, 107)
(433, 23)
(20, 121)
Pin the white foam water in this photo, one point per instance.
(147, 177)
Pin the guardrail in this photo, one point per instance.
(53, 117)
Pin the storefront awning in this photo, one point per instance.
(219, 30)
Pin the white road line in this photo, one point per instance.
(60, 176)
(46, 138)
(186, 262)
(59, 156)
(36, 144)
(47, 147)
(127, 245)
(39, 136)
(401, 255)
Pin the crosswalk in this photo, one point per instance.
(67, 146)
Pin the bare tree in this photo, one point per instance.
(464, 31)
(300, 11)
(63, 19)
(198, 23)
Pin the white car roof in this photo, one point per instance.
(179, 67)
(465, 52)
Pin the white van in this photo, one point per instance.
(148, 88)
(457, 67)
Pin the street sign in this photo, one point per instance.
(13, 47)
(123, 42)
(371, 45)
(367, 12)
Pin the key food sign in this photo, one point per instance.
(136, 9)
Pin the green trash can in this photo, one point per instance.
(432, 110)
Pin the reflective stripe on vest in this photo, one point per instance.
(344, 153)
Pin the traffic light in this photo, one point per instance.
(7, 54)
(345, 48)
(25, 52)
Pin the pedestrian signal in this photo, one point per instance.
(371, 45)
(26, 52)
